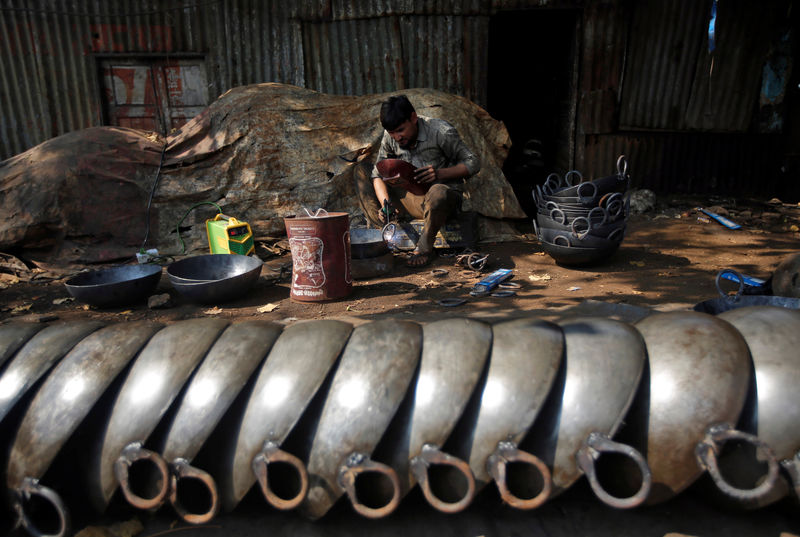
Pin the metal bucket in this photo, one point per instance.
(320, 246)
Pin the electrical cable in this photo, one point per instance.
(178, 227)
(150, 200)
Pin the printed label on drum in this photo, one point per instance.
(307, 272)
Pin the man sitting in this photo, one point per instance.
(435, 149)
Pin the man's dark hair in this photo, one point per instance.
(394, 111)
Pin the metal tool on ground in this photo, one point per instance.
(491, 281)
(719, 218)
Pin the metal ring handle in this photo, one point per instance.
(358, 463)
(181, 469)
(559, 236)
(131, 454)
(738, 292)
(622, 165)
(595, 445)
(31, 487)
(581, 234)
(272, 453)
(552, 182)
(497, 464)
(615, 234)
(431, 454)
(615, 207)
(569, 174)
(792, 467)
(583, 197)
(563, 220)
(707, 451)
(603, 213)
(391, 228)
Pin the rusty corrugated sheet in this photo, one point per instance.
(387, 53)
(49, 51)
(701, 163)
(669, 81)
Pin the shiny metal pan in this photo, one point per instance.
(604, 364)
(213, 388)
(159, 373)
(748, 475)
(525, 359)
(454, 355)
(699, 373)
(13, 336)
(297, 365)
(37, 357)
(375, 370)
(60, 405)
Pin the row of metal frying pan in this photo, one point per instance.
(322, 409)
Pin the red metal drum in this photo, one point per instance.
(320, 246)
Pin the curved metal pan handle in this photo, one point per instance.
(792, 466)
(707, 451)
(622, 166)
(431, 454)
(357, 464)
(181, 469)
(31, 487)
(595, 445)
(272, 453)
(496, 464)
(583, 232)
(568, 177)
(131, 454)
(603, 213)
(552, 182)
(559, 216)
(739, 291)
(584, 198)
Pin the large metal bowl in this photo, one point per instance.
(367, 243)
(118, 286)
(214, 278)
(574, 255)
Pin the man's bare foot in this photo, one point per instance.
(419, 259)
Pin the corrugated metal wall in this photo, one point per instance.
(699, 163)
(677, 84)
(642, 66)
(49, 51)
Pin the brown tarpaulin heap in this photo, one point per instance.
(260, 152)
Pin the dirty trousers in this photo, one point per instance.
(434, 208)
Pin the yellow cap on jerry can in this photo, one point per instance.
(227, 235)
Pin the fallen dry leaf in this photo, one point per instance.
(216, 310)
(267, 308)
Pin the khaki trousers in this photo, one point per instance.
(435, 207)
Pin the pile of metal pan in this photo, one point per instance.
(303, 412)
(582, 222)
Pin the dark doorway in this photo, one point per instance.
(531, 88)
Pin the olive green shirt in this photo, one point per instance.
(438, 144)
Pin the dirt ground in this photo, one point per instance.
(668, 260)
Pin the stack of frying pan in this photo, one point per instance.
(580, 222)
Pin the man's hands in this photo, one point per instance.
(426, 174)
(387, 212)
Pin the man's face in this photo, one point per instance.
(406, 133)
